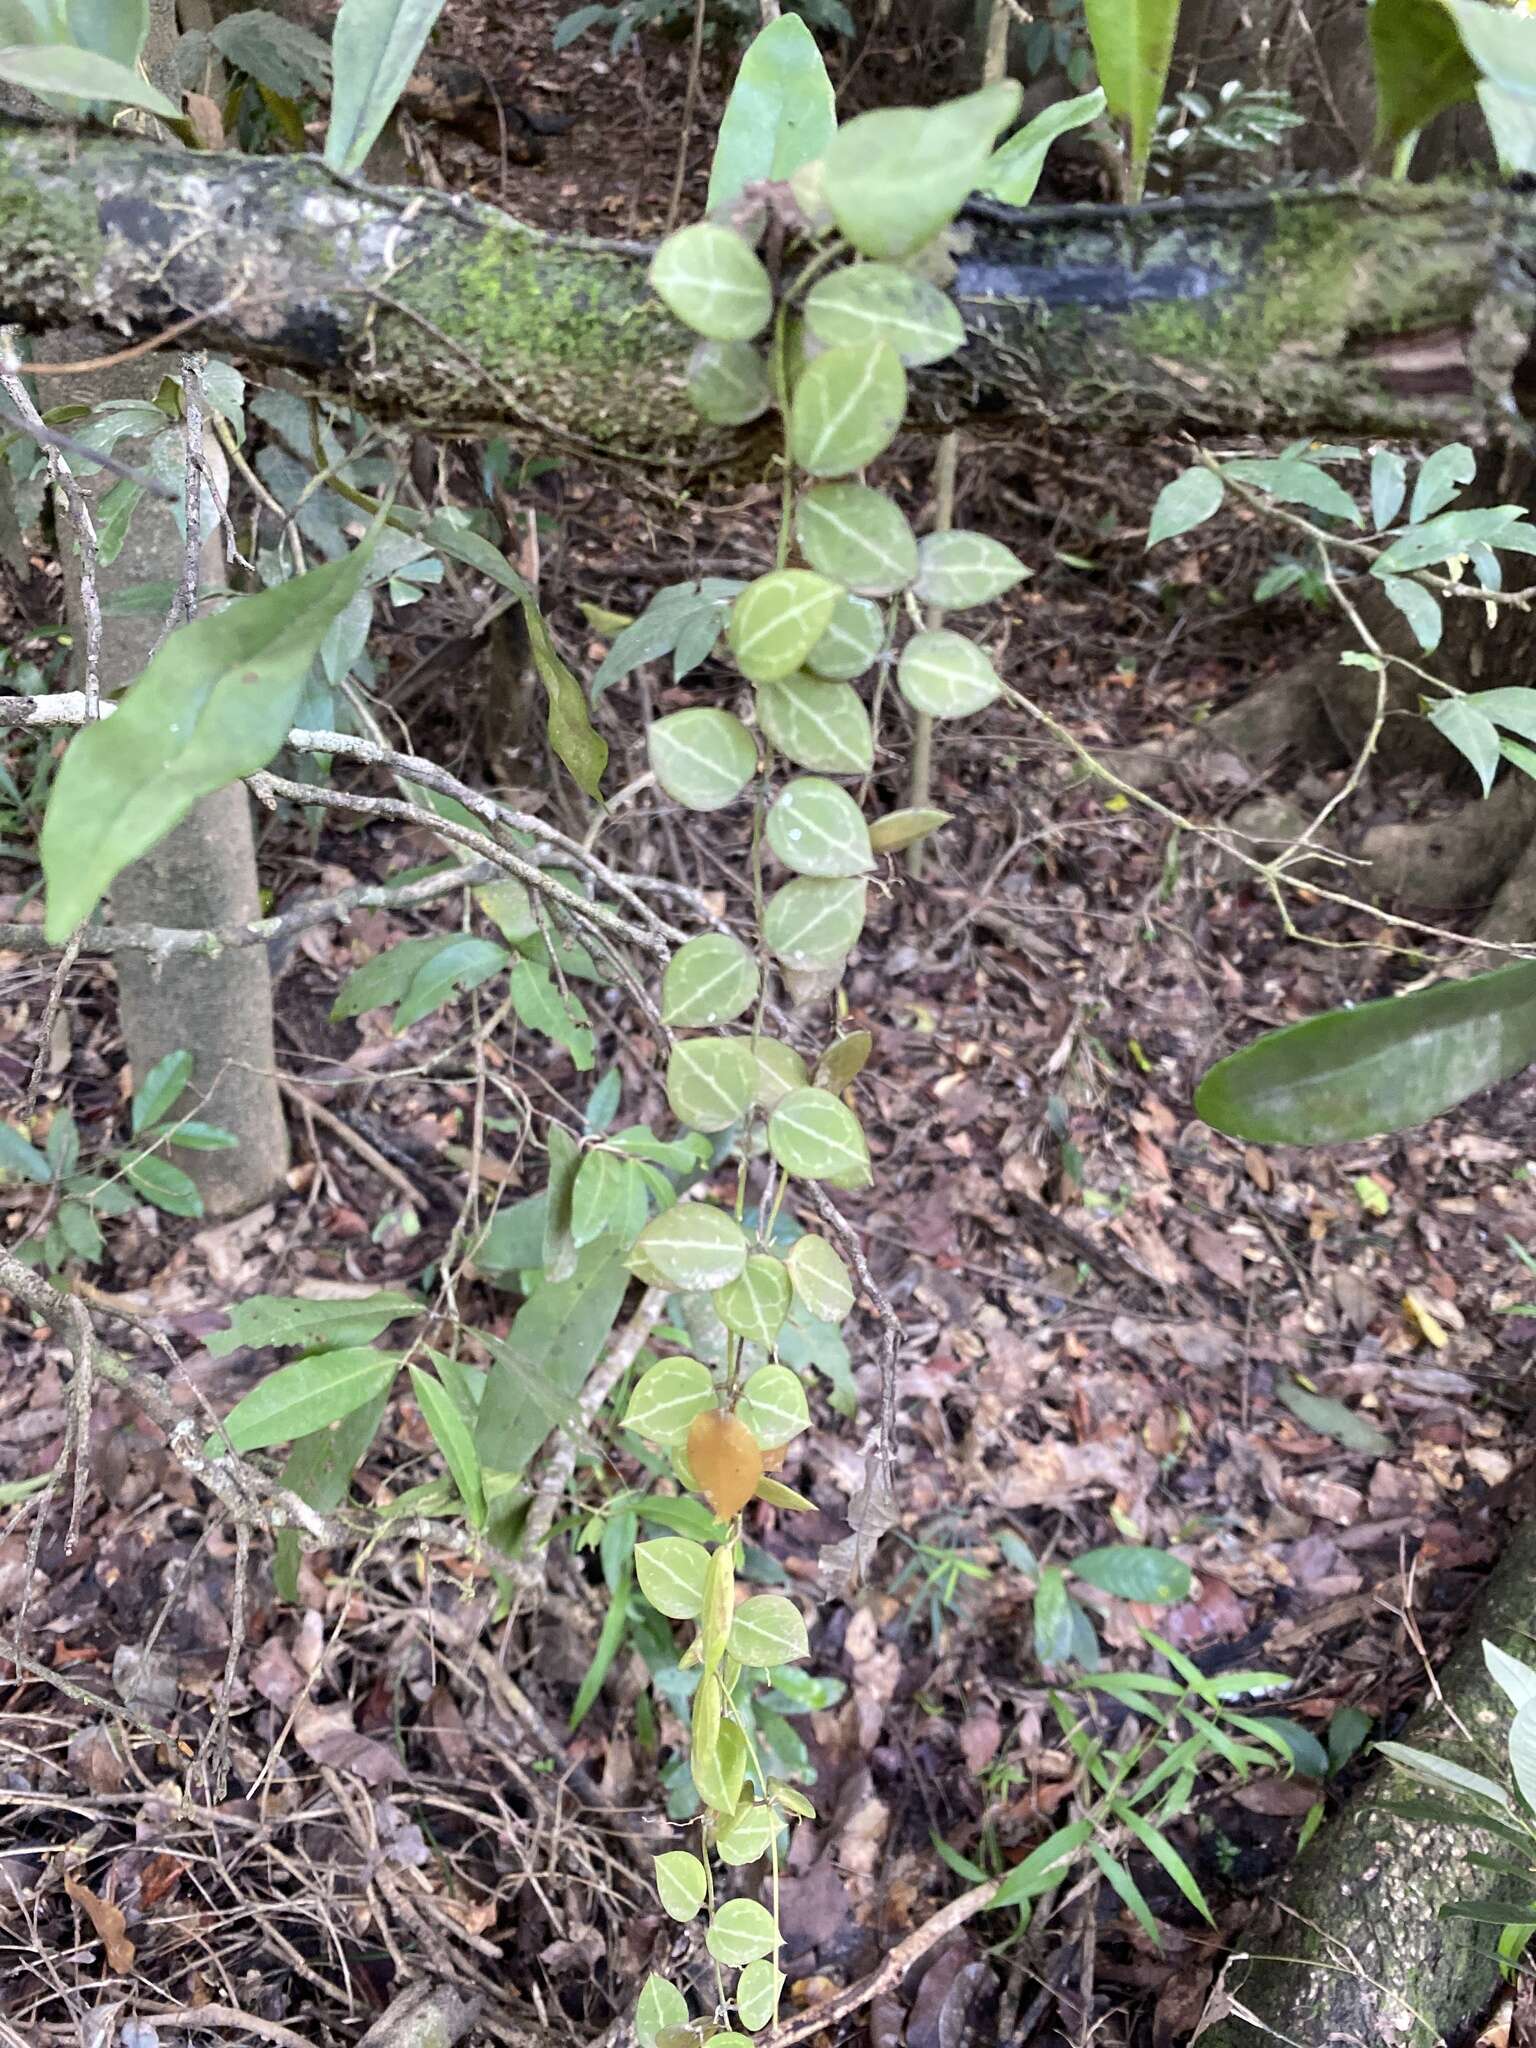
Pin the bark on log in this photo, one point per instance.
(1390, 310)
(1356, 1954)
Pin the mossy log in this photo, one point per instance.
(1387, 310)
(1353, 1949)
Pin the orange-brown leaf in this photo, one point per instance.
(724, 1458)
(107, 1919)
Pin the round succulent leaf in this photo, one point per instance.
(695, 1246)
(817, 725)
(757, 1995)
(946, 675)
(900, 829)
(710, 1082)
(813, 1135)
(895, 177)
(960, 569)
(709, 277)
(747, 1835)
(882, 302)
(817, 829)
(844, 1060)
(847, 408)
(768, 1630)
(814, 923)
(671, 1571)
(755, 1306)
(741, 1932)
(779, 1069)
(666, 1398)
(822, 1283)
(703, 759)
(777, 620)
(850, 644)
(728, 382)
(857, 536)
(681, 1882)
(772, 1403)
(660, 2005)
(712, 979)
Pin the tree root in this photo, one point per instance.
(1457, 861)
(1352, 1948)
(1282, 716)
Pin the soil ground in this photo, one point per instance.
(1305, 1374)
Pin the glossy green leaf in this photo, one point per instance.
(844, 1060)
(1418, 606)
(1441, 1770)
(1383, 1067)
(308, 1395)
(859, 537)
(1157, 1845)
(741, 1932)
(820, 1280)
(1131, 1571)
(779, 1069)
(1389, 475)
(768, 1630)
(672, 1572)
(870, 302)
(811, 923)
(1421, 66)
(542, 1363)
(899, 829)
(161, 1089)
(817, 1137)
(746, 1836)
(112, 28)
(158, 1181)
(1333, 1418)
(728, 380)
(1042, 1869)
(816, 828)
(681, 1882)
(847, 408)
(1133, 47)
(276, 1320)
(780, 114)
(1014, 170)
(568, 724)
(817, 725)
(1522, 1751)
(895, 177)
(600, 1198)
(544, 1006)
(777, 620)
(710, 1082)
(757, 1995)
(713, 281)
(1448, 535)
(453, 1438)
(851, 643)
(1515, 1680)
(660, 2005)
(666, 1399)
(447, 972)
(959, 569)
(945, 675)
(1184, 504)
(60, 70)
(754, 1307)
(694, 1246)
(385, 978)
(712, 979)
(213, 705)
(374, 48)
(702, 758)
(772, 1403)
(1472, 734)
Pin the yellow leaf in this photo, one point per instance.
(1417, 1312)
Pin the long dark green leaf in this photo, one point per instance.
(1384, 1067)
(543, 1362)
(1421, 66)
(374, 48)
(569, 727)
(214, 704)
(610, 1636)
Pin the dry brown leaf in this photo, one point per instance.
(327, 1735)
(107, 1919)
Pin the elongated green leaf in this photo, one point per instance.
(1334, 1419)
(464, 963)
(59, 70)
(214, 704)
(1422, 66)
(1042, 1868)
(895, 177)
(1381, 1068)
(453, 1438)
(279, 1320)
(1127, 1891)
(1515, 1680)
(1014, 170)
(1443, 1770)
(1184, 504)
(780, 114)
(1133, 1572)
(1473, 735)
(568, 724)
(112, 28)
(1157, 1844)
(1133, 47)
(160, 1089)
(374, 48)
(610, 1640)
(165, 1185)
(1522, 1751)
(543, 1362)
(17, 1156)
(544, 1006)
(308, 1395)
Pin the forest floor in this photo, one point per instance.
(1305, 1374)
